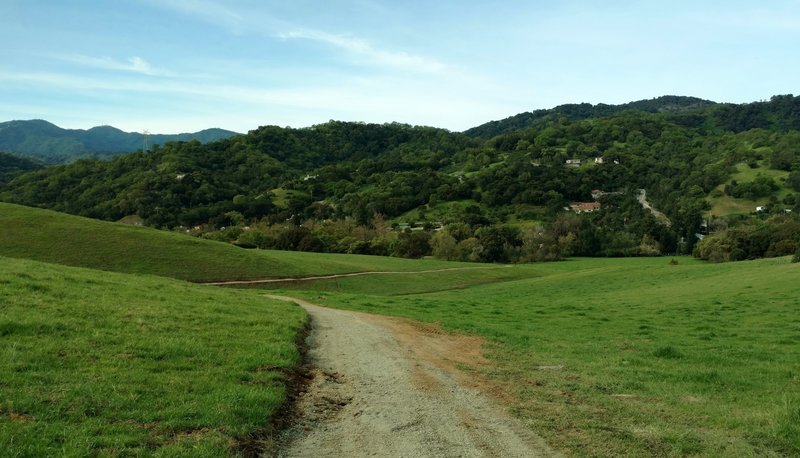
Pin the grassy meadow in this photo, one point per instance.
(625, 357)
(105, 364)
(54, 237)
(604, 357)
(725, 205)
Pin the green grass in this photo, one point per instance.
(97, 363)
(409, 283)
(746, 174)
(726, 205)
(49, 236)
(627, 356)
(440, 212)
(604, 356)
(281, 196)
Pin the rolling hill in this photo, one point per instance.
(12, 166)
(600, 356)
(580, 111)
(46, 142)
(291, 184)
(58, 238)
(106, 364)
(779, 113)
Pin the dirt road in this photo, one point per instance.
(392, 387)
(333, 276)
(642, 198)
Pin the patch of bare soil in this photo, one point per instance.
(386, 386)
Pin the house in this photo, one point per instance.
(584, 207)
(597, 193)
(573, 162)
(598, 160)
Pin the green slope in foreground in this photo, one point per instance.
(626, 357)
(99, 363)
(44, 235)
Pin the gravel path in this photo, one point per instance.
(392, 387)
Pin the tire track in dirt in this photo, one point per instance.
(334, 276)
(387, 386)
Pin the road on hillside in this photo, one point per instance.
(642, 197)
(387, 386)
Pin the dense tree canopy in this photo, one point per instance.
(498, 199)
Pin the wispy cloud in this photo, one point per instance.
(134, 64)
(210, 11)
(390, 98)
(363, 49)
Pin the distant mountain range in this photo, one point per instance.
(46, 142)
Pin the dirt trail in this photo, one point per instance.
(392, 387)
(330, 277)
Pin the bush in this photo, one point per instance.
(796, 257)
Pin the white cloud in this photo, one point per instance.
(194, 105)
(364, 49)
(134, 64)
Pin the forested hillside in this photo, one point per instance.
(580, 111)
(779, 113)
(49, 143)
(342, 187)
(12, 166)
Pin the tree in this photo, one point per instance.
(499, 243)
(413, 244)
(793, 180)
(444, 246)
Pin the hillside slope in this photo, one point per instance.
(47, 142)
(581, 111)
(680, 150)
(781, 112)
(107, 364)
(53, 237)
(12, 166)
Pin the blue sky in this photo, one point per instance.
(180, 65)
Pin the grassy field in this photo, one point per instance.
(48, 236)
(601, 356)
(726, 205)
(625, 356)
(97, 363)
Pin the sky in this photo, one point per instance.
(171, 66)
